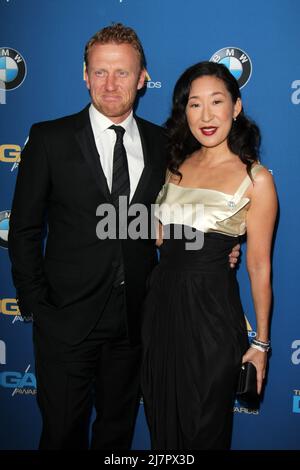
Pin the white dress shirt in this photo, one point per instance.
(105, 141)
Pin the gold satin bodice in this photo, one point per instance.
(206, 210)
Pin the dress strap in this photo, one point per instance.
(246, 182)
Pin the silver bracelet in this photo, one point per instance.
(261, 343)
(259, 348)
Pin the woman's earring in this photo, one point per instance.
(234, 119)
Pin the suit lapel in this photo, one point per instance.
(147, 171)
(85, 138)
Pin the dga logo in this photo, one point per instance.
(296, 401)
(295, 98)
(12, 69)
(150, 83)
(4, 227)
(238, 408)
(296, 354)
(9, 307)
(237, 61)
(22, 383)
(11, 153)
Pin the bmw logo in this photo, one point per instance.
(12, 69)
(4, 226)
(237, 61)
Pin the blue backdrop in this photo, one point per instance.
(41, 60)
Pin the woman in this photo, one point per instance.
(194, 331)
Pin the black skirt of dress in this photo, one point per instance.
(194, 335)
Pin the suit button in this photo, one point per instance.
(115, 264)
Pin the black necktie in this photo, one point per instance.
(120, 185)
(120, 179)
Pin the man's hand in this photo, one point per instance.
(233, 257)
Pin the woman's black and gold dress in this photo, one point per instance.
(194, 329)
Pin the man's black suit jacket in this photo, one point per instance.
(60, 184)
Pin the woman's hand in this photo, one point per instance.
(259, 360)
(233, 257)
(158, 242)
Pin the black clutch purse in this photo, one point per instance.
(247, 385)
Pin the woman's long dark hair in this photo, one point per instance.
(244, 136)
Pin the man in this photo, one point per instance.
(86, 293)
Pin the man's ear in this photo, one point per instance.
(86, 78)
(142, 79)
